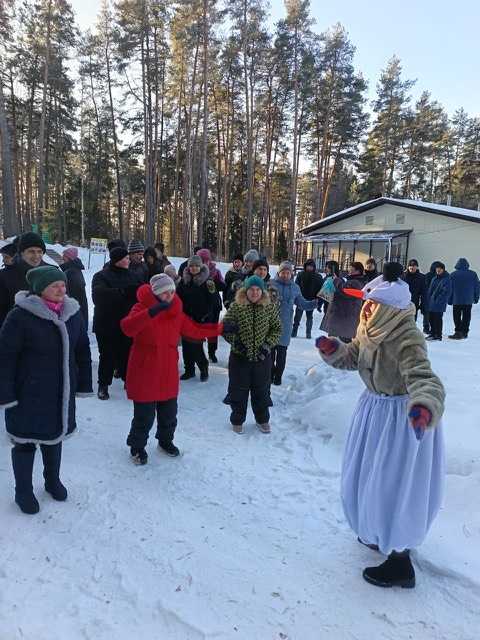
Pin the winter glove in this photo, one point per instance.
(326, 346)
(421, 418)
(160, 306)
(230, 327)
(211, 286)
(264, 351)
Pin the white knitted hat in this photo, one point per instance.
(395, 294)
(161, 283)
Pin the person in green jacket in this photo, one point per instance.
(257, 326)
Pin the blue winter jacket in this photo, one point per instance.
(465, 284)
(44, 362)
(289, 294)
(439, 293)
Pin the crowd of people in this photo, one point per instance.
(144, 310)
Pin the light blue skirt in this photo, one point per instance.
(392, 484)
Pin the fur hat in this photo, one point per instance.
(70, 254)
(30, 239)
(195, 261)
(117, 254)
(254, 281)
(251, 255)
(161, 283)
(41, 277)
(135, 246)
(286, 265)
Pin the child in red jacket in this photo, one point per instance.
(156, 323)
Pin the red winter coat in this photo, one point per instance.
(152, 374)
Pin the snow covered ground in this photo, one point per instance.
(242, 536)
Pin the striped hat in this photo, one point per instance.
(135, 246)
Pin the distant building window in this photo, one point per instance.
(400, 218)
(369, 219)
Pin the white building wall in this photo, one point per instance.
(434, 237)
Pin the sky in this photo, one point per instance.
(436, 40)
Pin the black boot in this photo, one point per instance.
(22, 462)
(169, 448)
(212, 349)
(139, 456)
(204, 374)
(103, 392)
(294, 331)
(396, 571)
(187, 375)
(52, 457)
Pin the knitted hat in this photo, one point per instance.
(117, 254)
(9, 249)
(30, 239)
(195, 261)
(161, 283)
(261, 262)
(254, 281)
(205, 255)
(135, 246)
(170, 271)
(251, 255)
(41, 277)
(70, 254)
(116, 243)
(286, 265)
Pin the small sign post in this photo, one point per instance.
(97, 245)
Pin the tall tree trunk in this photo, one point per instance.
(10, 226)
(41, 134)
(202, 212)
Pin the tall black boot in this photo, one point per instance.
(52, 457)
(204, 373)
(212, 350)
(22, 462)
(396, 571)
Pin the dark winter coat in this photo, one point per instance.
(418, 289)
(370, 275)
(12, 280)
(465, 284)
(431, 274)
(114, 292)
(288, 295)
(439, 293)
(199, 295)
(310, 282)
(232, 277)
(258, 326)
(44, 361)
(76, 284)
(140, 270)
(343, 313)
(152, 374)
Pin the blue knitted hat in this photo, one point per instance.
(254, 281)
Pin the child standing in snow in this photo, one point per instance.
(256, 323)
(156, 323)
(393, 467)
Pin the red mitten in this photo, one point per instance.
(421, 418)
(326, 346)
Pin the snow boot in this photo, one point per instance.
(457, 336)
(212, 349)
(187, 375)
(264, 427)
(22, 462)
(204, 374)
(396, 571)
(169, 448)
(309, 335)
(237, 428)
(52, 457)
(277, 381)
(294, 332)
(103, 392)
(373, 547)
(139, 456)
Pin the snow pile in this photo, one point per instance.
(243, 536)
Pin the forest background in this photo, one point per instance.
(209, 122)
